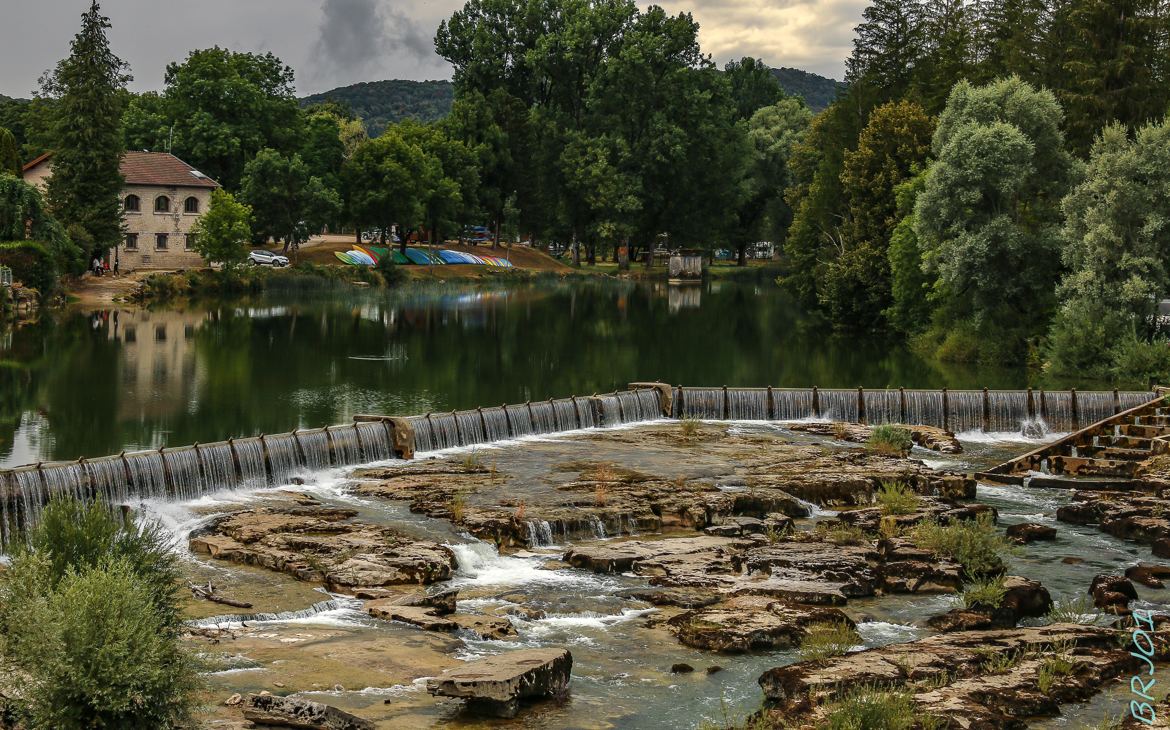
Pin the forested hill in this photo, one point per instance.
(379, 103)
(817, 91)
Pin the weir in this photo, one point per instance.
(184, 473)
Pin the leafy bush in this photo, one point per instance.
(896, 498)
(32, 264)
(987, 593)
(841, 533)
(89, 622)
(974, 544)
(870, 708)
(892, 440)
(1077, 610)
(827, 639)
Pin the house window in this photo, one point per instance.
(131, 241)
(160, 333)
(189, 243)
(191, 205)
(162, 204)
(131, 204)
(160, 241)
(131, 334)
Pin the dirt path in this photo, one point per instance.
(100, 291)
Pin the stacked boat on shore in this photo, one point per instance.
(372, 255)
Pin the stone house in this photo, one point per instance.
(162, 199)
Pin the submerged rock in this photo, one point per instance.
(496, 685)
(1027, 532)
(294, 712)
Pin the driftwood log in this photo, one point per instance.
(208, 593)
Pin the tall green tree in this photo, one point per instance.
(88, 87)
(287, 202)
(854, 287)
(1116, 248)
(988, 217)
(9, 153)
(223, 233)
(224, 107)
(386, 183)
(753, 86)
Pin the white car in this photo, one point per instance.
(260, 257)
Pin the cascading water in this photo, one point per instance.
(219, 468)
(496, 421)
(924, 408)
(375, 441)
(28, 499)
(544, 417)
(1007, 411)
(585, 413)
(186, 479)
(566, 414)
(250, 455)
(539, 533)
(283, 456)
(424, 434)
(107, 479)
(1133, 399)
(1057, 409)
(611, 410)
(444, 430)
(883, 406)
(1094, 406)
(346, 449)
(964, 410)
(839, 405)
(470, 427)
(148, 474)
(520, 420)
(702, 403)
(64, 480)
(792, 405)
(747, 404)
(315, 446)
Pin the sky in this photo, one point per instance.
(332, 43)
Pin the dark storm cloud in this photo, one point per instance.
(359, 36)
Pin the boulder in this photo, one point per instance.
(1112, 593)
(1025, 598)
(301, 714)
(750, 623)
(496, 685)
(1030, 532)
(1148, 575)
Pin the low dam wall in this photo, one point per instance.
(185, 472)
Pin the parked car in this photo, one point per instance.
(260, 257)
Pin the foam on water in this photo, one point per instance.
(337, 611)
(479, 564)
(815, 510)
(881, 633)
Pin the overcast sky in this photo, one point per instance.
(337, 42)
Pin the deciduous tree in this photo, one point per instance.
(223, 233)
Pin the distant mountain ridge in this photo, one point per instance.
(381, 103)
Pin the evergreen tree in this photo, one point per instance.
(889, 46)
(89, 87)
(9, 153)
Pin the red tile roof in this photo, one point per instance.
(152, 168)
(162, 169)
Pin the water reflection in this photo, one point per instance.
(93, 383)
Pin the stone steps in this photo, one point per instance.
(1091, 467)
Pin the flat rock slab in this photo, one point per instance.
(622, 557)
(751, 623)
(435, 619)
(496, 685)
(301, 714)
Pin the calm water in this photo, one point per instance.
(91, 383)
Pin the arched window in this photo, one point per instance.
(191, 205)
(162, 204)
(130, 204)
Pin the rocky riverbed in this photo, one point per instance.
(684, 569)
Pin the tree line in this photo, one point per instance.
(976, 186)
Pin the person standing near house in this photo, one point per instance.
(97, 266)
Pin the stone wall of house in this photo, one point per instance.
(146, 224)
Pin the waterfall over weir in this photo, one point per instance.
(185, 473)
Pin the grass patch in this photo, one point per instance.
(1053, 668)
(897, 498)
(973, 544)
(987, 593)
(689, 427)
(997, 661)
(827, 639)
(890, 440)
(840, 533)
(458, 507)
(472, 461)
(870, 708)
(1077, 610)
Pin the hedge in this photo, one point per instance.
(32, 265)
